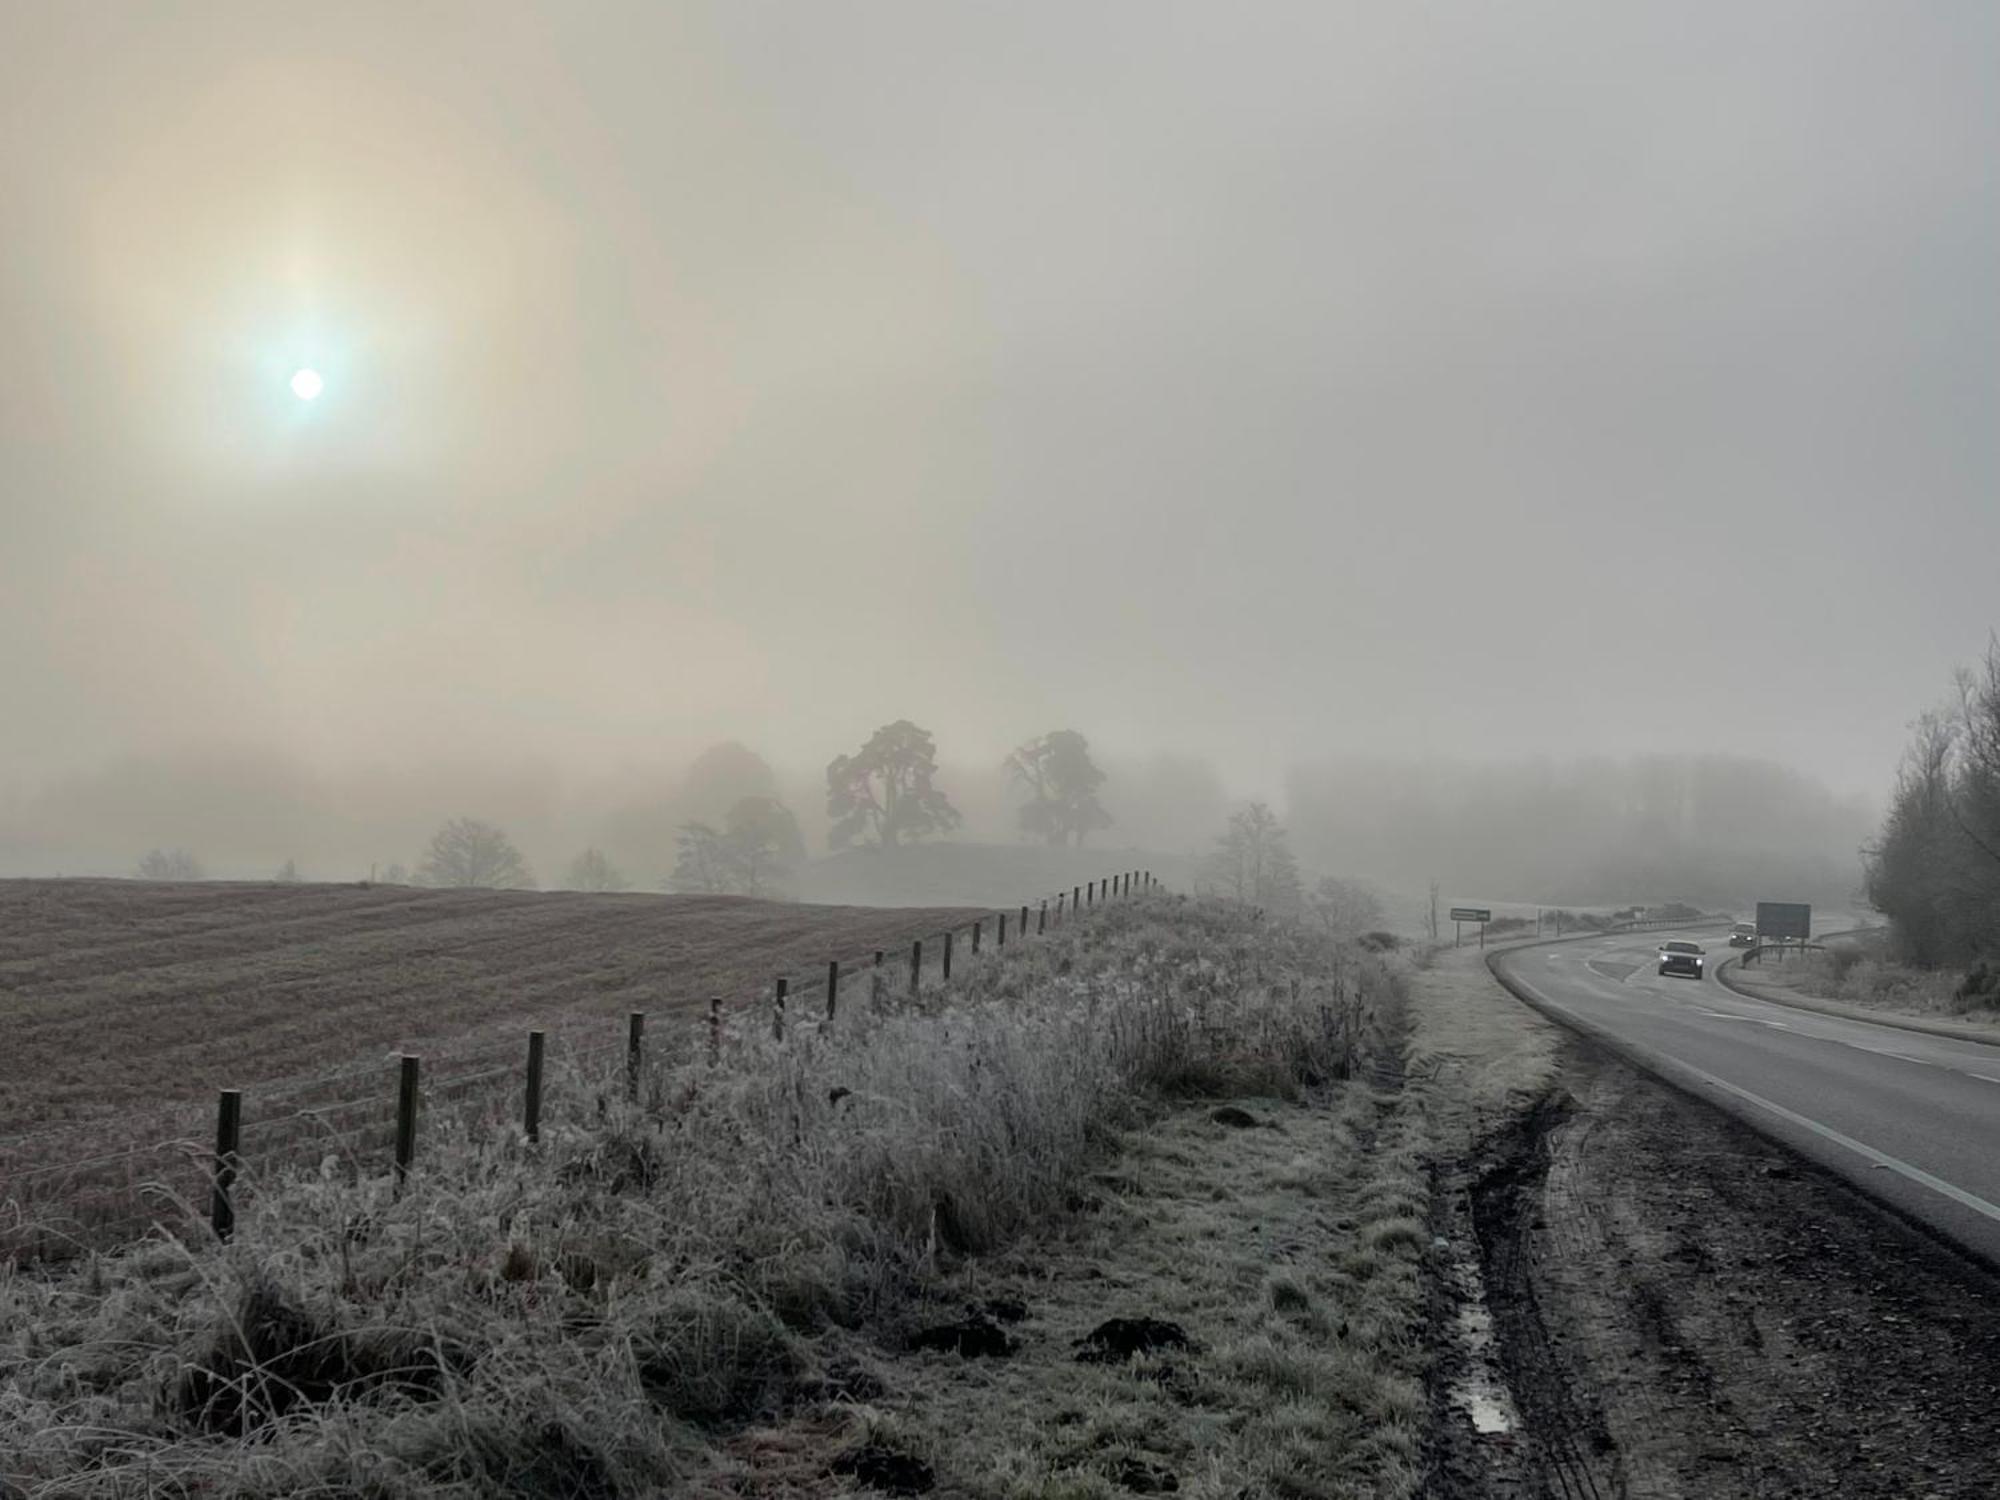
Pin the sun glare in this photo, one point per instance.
(306, 384)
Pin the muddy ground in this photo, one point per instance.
(1680, 1308)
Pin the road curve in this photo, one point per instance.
(1912, 1119)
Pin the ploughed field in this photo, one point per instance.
(125, 1005)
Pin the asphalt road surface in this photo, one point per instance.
(1913, 1119)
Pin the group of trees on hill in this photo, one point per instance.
(1934, 868)
(886, 793)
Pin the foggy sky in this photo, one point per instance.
(1265, 383)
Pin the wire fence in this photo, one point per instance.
(193, 1167)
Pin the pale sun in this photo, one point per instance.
(306, 384)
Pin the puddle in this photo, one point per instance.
(1479, 1391)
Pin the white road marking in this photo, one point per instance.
(1983, 1077)
(1866, 1152)
(1752, 1020)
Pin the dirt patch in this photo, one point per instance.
(975, 1337)
(1235, 1117)
(1116, 1340)
(881, 1467)
(1683, 1309)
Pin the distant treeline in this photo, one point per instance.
(246, 812)
(1717, 831)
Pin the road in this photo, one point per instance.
(1912, 1119)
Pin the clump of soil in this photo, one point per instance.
(1142, 1478)
(272, 1356)
(882, 1467)
(1003, 1309)
(1116, 1340)
(1234, 1117)
(975, 1336)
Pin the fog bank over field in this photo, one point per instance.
(1262, 384)
(1710, 829)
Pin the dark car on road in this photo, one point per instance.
(1743, 935)
(1681, 958)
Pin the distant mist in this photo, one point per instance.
(1715, 830)
(245, 812)
(1709, 829)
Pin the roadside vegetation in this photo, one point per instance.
(1934, 870)
(733, 1283)
(1863, 970)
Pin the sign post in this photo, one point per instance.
(1784, 920)
(1480, 914)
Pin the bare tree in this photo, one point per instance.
(469, 854)
(170, 864)
(1345, 908)
(591, 871)
(288, 873)
(1253, 862)
(760, 840)
(750, 856)
(703, 865)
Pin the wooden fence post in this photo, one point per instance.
(1024, 918)
(832, 986)
(947, 955)
(714, 1030)
(975, 936)
(875, 980)
(1042, 921)
(778, 1010)
(635, 1044)
(532, 1120)
(1002, 942)
(406, 1119)
(916, 966)
(1075, 899)
(228, 1139)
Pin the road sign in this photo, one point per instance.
(1784, 919)
(1471, 914)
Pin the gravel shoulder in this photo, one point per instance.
(1677, 1307)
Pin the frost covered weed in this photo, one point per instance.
(581, 1316)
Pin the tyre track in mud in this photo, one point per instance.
(1683, 1308)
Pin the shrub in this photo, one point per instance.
(1980, 989)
